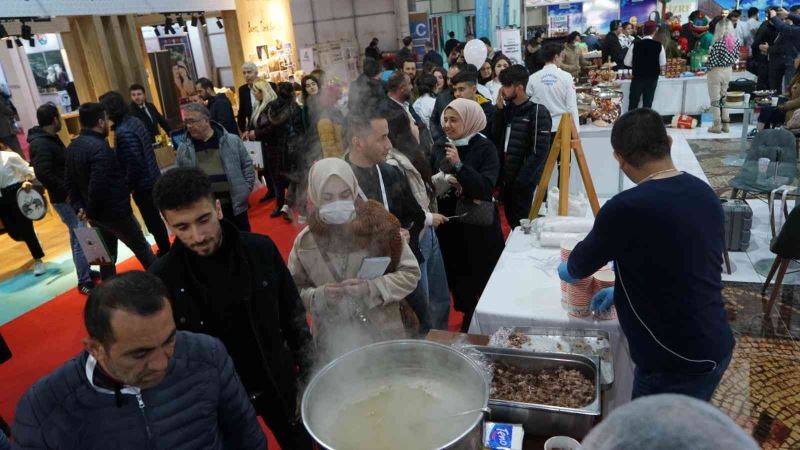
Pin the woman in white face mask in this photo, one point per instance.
(344, 233)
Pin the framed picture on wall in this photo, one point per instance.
(184, 70)
(49, 71)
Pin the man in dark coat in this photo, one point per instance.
(372, 51)
(235, 286)
(432, 56)
(451, 43)
(8, 118)
(139, 383)
(523, 128)
(611, 47)
(407, 52)
(146, 111)
(366, 91)
(48, 161)
(97, 188)
(246, 96)
(218, 105)
(135, 153)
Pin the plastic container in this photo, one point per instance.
(563, 443)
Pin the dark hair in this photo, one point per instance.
(395, 81)
(486, 41)
(735, 13)
(371, 67)
(452, 34)
(465, 76)
(358, 121)
(462, 67)
(205, 83)
(303, 84)
(514, 75)
(373, 42)
(425, 84)
(90, 113)
(285, 90)
(115, 105)
(625, 24)
(137, 292)
(500, 57)
(794, 8)
(136, 87)
(180, 188)
(615, 24)
(572, 36)
(405, 60)
(753, 11)
(46, 114)
(407, 40)
(550, 50)
(639, 136)
(444, 75)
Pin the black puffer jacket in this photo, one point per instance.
(528, 142)
(95, 180)
(199, 404)
(47, 158)
(276, 313)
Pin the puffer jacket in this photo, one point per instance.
(199, 404)
(528, 142)
(94, 179)
(236, 161)
(134, 147)
(47, 159)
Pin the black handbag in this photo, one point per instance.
(475, 212)
(742, 85)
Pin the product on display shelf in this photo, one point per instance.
(675, 67)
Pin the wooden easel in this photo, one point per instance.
(565, 141)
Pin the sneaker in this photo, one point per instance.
(85, 288)
(275, 213)
(286, 212)
(39, 268)
(752, 133)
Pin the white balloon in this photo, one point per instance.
(475, 53)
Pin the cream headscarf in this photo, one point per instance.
(268, 96)
(323, 169)
(471, 114)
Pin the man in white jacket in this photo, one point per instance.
(553, 87)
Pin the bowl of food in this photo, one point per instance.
(398, 395)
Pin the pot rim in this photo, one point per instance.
(403, 342)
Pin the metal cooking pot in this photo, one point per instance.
(349, 375)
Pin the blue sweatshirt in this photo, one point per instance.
(665, 238)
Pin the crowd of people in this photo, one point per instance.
(396, 182)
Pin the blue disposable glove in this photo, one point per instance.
(602, 301)
(563, 273)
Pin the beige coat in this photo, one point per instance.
(572, 61)
(381, 306)
(401, 161)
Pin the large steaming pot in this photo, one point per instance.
(346, 378)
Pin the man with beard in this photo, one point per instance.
(218, 105)
(97, 188)
(235, 286)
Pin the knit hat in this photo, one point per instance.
(650, 27)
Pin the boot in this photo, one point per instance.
(716, 128)
(726, 126)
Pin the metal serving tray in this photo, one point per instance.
(606, 358)
(541, 419)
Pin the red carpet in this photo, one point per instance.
(45, 337)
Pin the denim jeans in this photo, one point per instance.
(127, 230)
(700, 385)
(70, 219)
(434, 280)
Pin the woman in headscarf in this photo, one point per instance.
(344, 232)
(278, 126)
(469, 169)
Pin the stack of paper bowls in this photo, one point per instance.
(576, 298)
(604, 279)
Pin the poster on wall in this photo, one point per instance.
(599, 14)
(745, 4)
(48, 71)
(637, 11)
(184, 72)
(307, 59)
(682, 8)
(510, 44)
(565, 18)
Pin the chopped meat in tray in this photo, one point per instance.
(567, 388)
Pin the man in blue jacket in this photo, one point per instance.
(784, 50)
(97, 188)
(139, 383)
(665, 239)
(134, 146)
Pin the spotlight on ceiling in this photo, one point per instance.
(3, 32)
(168, 25)
(26, 31)
(32, 42)
(18, 41)
(194, 20)
(155, 30)
(219, 22)
(203, 19)
(180, 20)
(9, 43)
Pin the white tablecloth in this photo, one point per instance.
(524, 290)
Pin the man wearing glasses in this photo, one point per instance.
(223, 157)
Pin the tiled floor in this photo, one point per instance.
(761, 388)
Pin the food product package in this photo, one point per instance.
(503, 436)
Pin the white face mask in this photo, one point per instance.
(461, 142)
(338, 212)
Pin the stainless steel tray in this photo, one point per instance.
(606, 356)
(541, 419)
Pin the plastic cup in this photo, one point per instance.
(774, 101)
(526, 225)
(562, 442)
